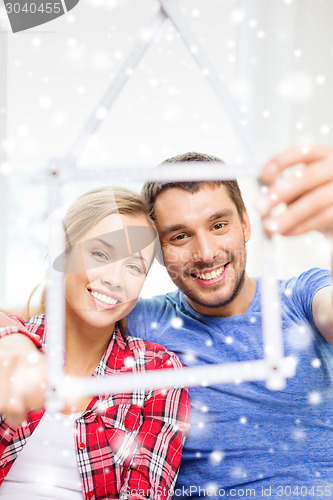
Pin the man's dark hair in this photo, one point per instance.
(151, 190)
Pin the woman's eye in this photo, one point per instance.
(99, 255)
(135, 268)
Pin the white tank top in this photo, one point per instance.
(47, 466)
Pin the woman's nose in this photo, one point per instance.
(112, 275)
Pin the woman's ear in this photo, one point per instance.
(159, 253)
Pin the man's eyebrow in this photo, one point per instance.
(172, 228)
(226, 213)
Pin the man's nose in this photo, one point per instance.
(205, 248)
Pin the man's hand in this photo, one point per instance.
(307, 194)
(22, 377)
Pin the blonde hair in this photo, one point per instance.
(89, 209)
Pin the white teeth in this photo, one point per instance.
(212, 275)
(104, 298)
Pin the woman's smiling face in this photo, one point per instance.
(106, 269)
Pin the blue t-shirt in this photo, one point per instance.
(246, 440)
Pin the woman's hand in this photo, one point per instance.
(22, 377)
(307, 194)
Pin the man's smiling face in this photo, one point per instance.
(203, 242)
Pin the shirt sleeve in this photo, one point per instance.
(153, 469)
(303, 289)
(14, 324)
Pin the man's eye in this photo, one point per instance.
(99, 255)
(219, 225)
(179, 237)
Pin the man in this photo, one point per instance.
(245, 440)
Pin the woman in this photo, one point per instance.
(124, 446)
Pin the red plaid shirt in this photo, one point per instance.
(129, 445)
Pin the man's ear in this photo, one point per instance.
(246, 226)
